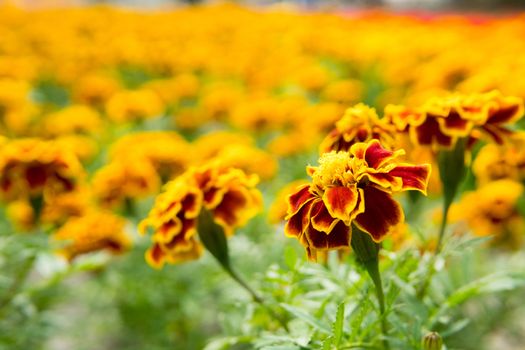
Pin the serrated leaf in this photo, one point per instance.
(338, 324)
(312, 321)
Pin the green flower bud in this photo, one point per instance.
(432, 341)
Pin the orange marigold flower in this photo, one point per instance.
(33, 167)
(228, 193)
(359, 124)
(94, 231)
(348, 188)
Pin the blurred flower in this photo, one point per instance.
(359, 124)
(167, 151)
(74, 119)
(494, 162)
(94, 89)
(492, 210)
(228, 193)
(348, 188)
(34, 168)
(119, 181)
(94, 231)
(134, 105)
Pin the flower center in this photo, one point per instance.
(335, 168)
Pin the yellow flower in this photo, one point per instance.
(494, 162)
(74, 119)
(359, 124)
(228, 193)
(94, 231)
(134, 105)
(167, 151)
(491, 211)
(95, 89)
(33, 167)
(119, 181)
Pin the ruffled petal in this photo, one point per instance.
(338, 238)
(321, 219)
(340, 201)
(454, 125)
(414, 177)
(381, 213)
(298, 199)
(376, 155)
(296, 224)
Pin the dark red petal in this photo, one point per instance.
(503, 115)
(338, 238)
(414, 177)
(297, 223)
(321, 218)
(299, 198)
(381, 213)
(376, 155)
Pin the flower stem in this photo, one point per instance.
(255, 296)
(367, 252)
(372, 267)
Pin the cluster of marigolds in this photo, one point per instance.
(105, 109)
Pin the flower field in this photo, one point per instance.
(219, 177)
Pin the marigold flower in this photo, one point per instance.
(134, 105)
(492, 210)
(95, 89)
(72, 120)
(118, 181)
(94, 231)
(495, 162)
(359, 124)
(33, 167)
(348, 188)
(441, 121)
(228, 193)
(167, 151)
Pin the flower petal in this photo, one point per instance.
(340, 202)
(298, 199)
(414, 177)
(381, 213)
(321, 219)
(338, 238)
(376, 155)
(296, 223)
(454, 125)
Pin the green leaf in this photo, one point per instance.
(338, 324)
(312, 321)
(213, 238)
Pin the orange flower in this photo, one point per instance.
(359, 124)
(348, 188)
(228, 193)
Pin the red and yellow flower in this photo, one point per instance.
(351, 188)
(228, 193)
(33, 167)
(440, 122)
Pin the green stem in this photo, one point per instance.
(255, 296)
(447, 201)
(372, 267)
(367, 252)
(444, 220)
(18, 282)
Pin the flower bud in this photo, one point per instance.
(432, 341)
